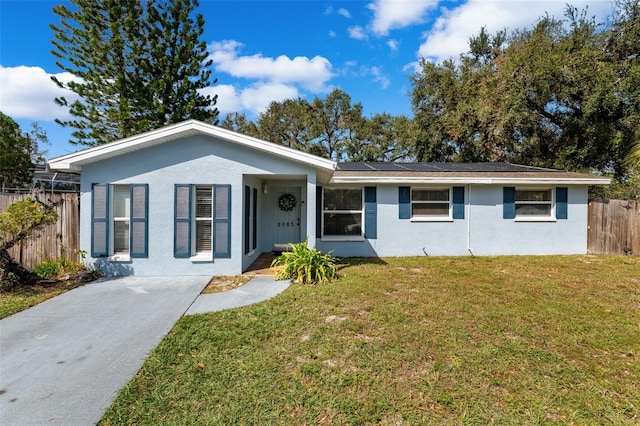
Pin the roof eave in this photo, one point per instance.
(470, 180)
(75, 161)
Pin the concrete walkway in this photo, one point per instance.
(260, 288)
(63, 361)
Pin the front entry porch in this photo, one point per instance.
(275, 216)
(262, 265)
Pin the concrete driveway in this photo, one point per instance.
(62, 362)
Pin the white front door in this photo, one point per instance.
(285, 202)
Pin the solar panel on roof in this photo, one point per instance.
(354, 167)
(439, 167)
(387, 167)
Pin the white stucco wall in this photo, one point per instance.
(195, 160)
(483, 231)
(204, 160)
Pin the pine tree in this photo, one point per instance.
(176, 67)
(136, 69)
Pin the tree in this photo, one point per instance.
(332, 128)
(16, 168)
(383, 138)
(287, 122)
(238, 122)
(176, 67)
(135, 69)
(551, 96)
(21, 220)
(19, 152)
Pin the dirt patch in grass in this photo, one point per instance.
(225, 283)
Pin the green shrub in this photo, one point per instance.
(52, 269)
(305, 265)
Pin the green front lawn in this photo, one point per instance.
(505, 340)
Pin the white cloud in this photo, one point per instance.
(344, 12)
(393, 45)
(357, 32)
(256, 98)
(28, 93)
(311, 74)
(394, 14)
(450, 33)
(332, 34)
(252, 99)
(380, 77)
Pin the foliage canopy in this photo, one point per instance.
(136, 66)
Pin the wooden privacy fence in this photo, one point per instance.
(614, 227)
(56, 239)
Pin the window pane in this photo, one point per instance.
(222, 237)
(342, 199)
(533, 195)
(121, 236)
(121, 195)
(204, 200)
(203, 236)
(182, 201)
(342, 224)
(430, 209)
(533, 209)
(430, 195)
(222, 202)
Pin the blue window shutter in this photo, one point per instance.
(100, 220)
(254, 244)
(222, 221)
(318, 211)
(182, 221)
(139, 234)
(247, 219)
(562, 205)
(404, 202)
(458, 202)
(509, 202)
(370, 212)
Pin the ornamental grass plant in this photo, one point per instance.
(305, 265)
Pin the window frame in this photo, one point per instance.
(136, 218)
(194, 237)
(551, 217)
(120, 255)
(351, 237)
(434, 217)
(184, 222)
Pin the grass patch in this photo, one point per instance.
(24, 297)
(506, 340)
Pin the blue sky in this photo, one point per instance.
(266, 50)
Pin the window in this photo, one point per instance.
(119, 221)
(250, 219)
(533, 202)
(121, 216)
(342, 212)
(202, 221)
(430, 203)
(204, 210)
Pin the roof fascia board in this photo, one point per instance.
(468, 180)
(74, 161)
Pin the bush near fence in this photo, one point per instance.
(614, 227)
(61, 238)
